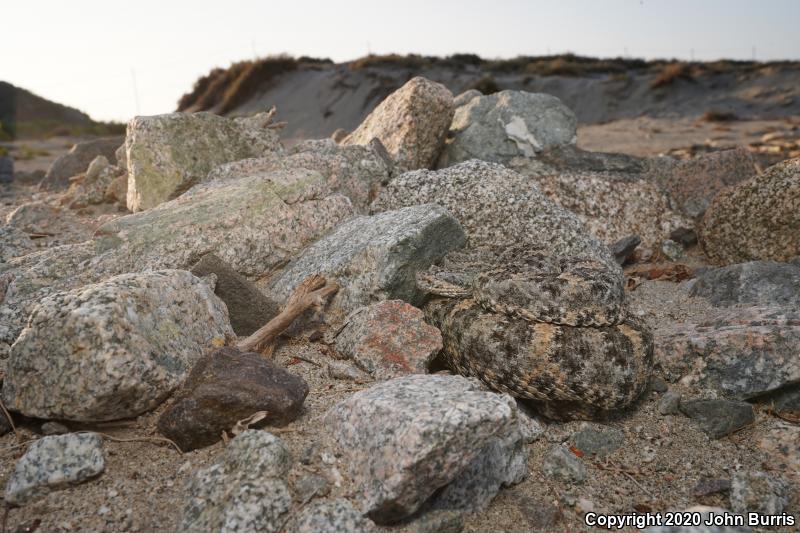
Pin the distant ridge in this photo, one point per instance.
(316, 96)
(24, 114)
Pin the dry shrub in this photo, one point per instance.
(254, 76)
(410, 61)
(225, 89)
(486, 85)
(715, 115)
(670, 73)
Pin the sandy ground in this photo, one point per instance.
(647, 136)
(657, 468)
(659, 465)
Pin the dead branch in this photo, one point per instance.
(313, 292)
(10, 421)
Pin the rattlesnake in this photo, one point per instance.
(540, 327)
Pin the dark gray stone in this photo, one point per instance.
(226, 386)
(759, 492)
(670, 403)
(710, 486)
(756, 282)
(54, 428)
(719, 417)
(672, 250)
(684, 236)
(6, 169)
(441, 521)
(658, 385)
(623, 248)
(563, 465)
(247, 306)
(310, 487)
(598, 440)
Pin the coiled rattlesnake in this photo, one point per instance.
(551, 330)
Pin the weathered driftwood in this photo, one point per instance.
(311, 293)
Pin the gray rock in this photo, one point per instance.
(466, 97)
(756, 219)
(598, 440)
(670, 403)
(693, 183)
(658, 385)
(77, 160)
(389, 339)
(405, 438)
(41, 218)
(623, 248)
(98, 165)
(686, 237)
(756, 282)
(248, 307)
(330, 516)
(612, 205)
(226, 386)
(167, 154)
(786, 399)
(54, 428)
(759, 492)
(243, 490)
(254, 224)
(357, 172)
(101, 186)
(507, 124)
(718, 417)
(55, 462)
(121, 156)
(411, 123)
(503, 463)
(311, 486)
(114, 349)
(672, 250)
(562, 464)
(6, 169)
(375, 258)
(497, 207)
(540, 515)
(442, 521)
(740, 352)
(14, 243)
(711, 486)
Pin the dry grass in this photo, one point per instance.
(225, 89)
(671, 73)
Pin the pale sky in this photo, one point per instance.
(86, 53)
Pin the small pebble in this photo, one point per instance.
(54, 428)
(669, 403)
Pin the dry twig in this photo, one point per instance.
(311, 293)
(152, 440)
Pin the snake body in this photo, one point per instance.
(535, 306)
(553, 331)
